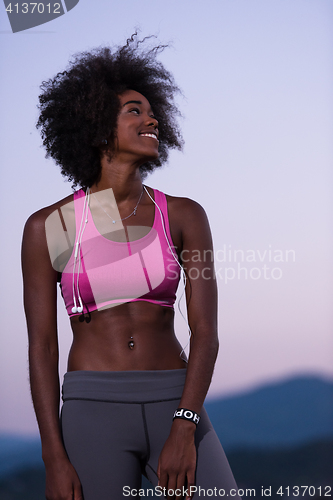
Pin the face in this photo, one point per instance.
(137, 129)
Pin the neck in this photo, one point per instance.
(124, 179)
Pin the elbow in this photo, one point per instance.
(208, 340)
(40, 351)
(215, 346)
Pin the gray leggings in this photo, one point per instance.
(115, 424)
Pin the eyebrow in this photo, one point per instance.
(132, 102)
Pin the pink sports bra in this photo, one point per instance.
(107, 273)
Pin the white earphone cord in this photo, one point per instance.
(84, 219)
(181, 270)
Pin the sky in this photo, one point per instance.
(257, 108)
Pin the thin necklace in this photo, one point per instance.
(118, 220)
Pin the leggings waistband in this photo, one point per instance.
(142, 386)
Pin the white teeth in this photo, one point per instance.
(150, 135)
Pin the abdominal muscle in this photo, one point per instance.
(103, 343)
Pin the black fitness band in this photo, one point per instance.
(187, 415)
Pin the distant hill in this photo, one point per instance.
(285, 414)
(25, 484)
(310, 464)
(17, 452)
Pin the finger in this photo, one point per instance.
(172, 484)
(78, 495)
(180, 485)
(190, 476)
(163, 479)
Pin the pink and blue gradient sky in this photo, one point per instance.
(258, 123)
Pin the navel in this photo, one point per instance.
(131, 343)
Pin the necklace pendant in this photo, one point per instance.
(119, 220)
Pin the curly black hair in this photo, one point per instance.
(79, 107)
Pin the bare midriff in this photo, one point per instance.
(133, 336)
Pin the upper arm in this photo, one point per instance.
(40, 283)
(197, 258)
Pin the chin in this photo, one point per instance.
(152, 156)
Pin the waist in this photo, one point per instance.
(124, 386)
(134, 336)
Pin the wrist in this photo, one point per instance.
(183, 428)
(186, 414)
(54, 455)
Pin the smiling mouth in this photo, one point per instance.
(153, 136)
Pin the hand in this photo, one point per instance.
(62, 482)
(177, 461)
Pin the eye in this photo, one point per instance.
(134, 110)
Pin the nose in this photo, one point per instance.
(151, 121)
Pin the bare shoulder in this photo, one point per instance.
(186, 211)
(48, 234)
(188, 222)
(37, 219)
(35, 224)
(41, 247)
(194, 239)
(182, 203)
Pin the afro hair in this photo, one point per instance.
(79, 107)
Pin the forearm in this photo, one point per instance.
(45, 390)
(177, 462)
(201, 362)
(61, 478)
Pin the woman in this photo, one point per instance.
(117, 248)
